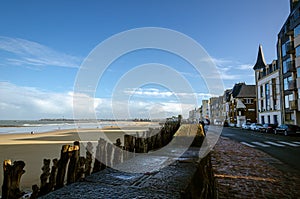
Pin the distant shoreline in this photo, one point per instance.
(26, 127)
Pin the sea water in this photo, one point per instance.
(40, 126)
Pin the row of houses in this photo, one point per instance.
(275, 97)
(236, 106)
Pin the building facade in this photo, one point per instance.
(288, 55)
(194, 115)
(268, 96)
(226, 105)
(205, 110)
(216, 110)
(242, 105)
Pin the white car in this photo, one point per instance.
(255, 127)
(246, 126)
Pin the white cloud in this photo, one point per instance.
(18, 102)
(31, 103)
(221, 61)
(154, 92)
(234, 71)
(148, 92)
(246, 67)
(31, 53)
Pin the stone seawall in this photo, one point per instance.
(173, 172)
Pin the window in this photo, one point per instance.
(298, 72)
(264, 72)
(275, 66)
(287, 99)
(267, 91)
(271, 68)
(248, 101)
(286, 102)
(261, 91)
(262, 119)
(286, 82)
(283, 52)
(285, 65)
(297, 31)
(275, 118)
(297, 51)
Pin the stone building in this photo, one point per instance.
(242, 105)
(194, 115)
(268, 97)
(205, 110)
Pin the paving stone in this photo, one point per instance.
(248, 173)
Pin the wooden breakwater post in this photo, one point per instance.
(74, 153)
(108, 154)
(128, 147)
(62, 166)
(152, 139)
(70, 162)
(118, 152)
(52, 178)
(11, 179)
(100, 158)
(88, 159)
(44, 187)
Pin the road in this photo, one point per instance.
(284, 148)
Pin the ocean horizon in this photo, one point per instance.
(42, 126)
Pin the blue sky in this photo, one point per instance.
(44, 43)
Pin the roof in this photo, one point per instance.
(241, 90)
(236, 89)
(247, 91)
(227, 95)
(260, 61)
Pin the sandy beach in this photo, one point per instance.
(33, 148)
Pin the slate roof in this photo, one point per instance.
(247, 91)
(227, 95)
(241, 90)
(236, 89)
(260, 62)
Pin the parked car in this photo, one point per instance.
(225, 124)
(287, 129)
(246, 126)
(268, 128)
(255, 126)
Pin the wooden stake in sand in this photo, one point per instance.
(73, 164)
(11, 180)
(62, 166)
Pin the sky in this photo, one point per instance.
(46, 47)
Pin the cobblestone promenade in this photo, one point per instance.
(244, 172)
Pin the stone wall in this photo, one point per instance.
(163, 175)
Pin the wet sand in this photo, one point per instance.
(32, 149)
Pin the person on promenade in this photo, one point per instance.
(203, 126)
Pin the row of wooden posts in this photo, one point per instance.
(77, 167)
